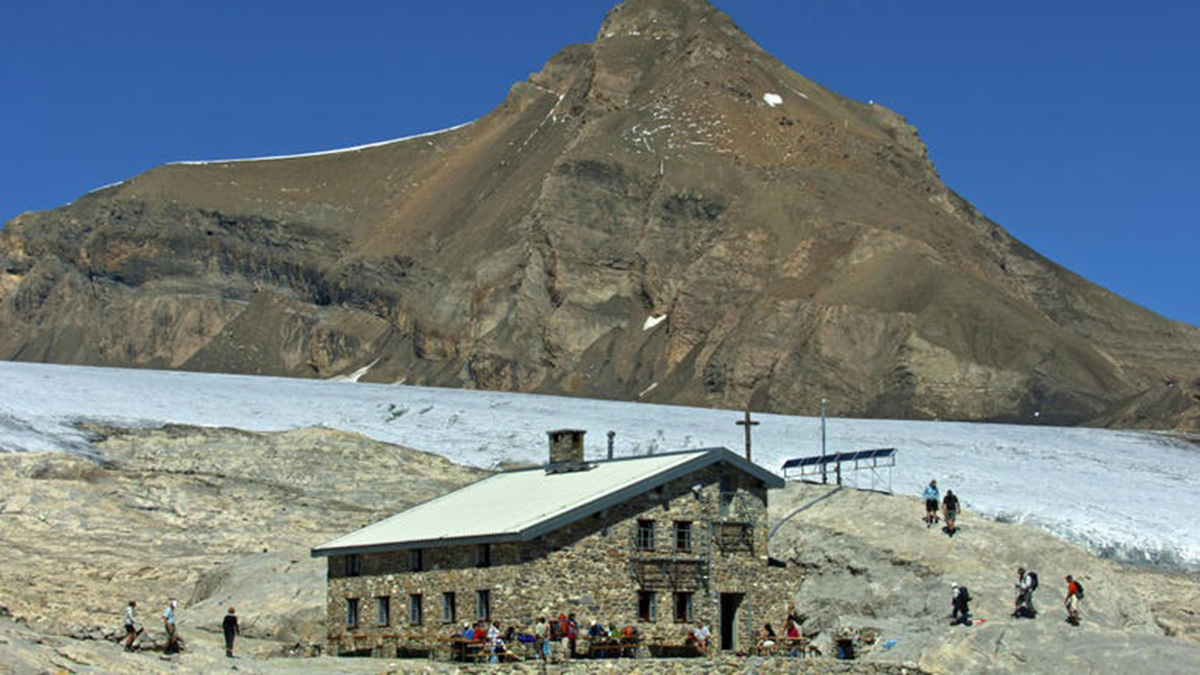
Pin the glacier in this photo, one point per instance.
(1127, 495)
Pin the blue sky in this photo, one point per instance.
(1072, 124)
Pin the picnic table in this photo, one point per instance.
(608, 648)
(467, 650)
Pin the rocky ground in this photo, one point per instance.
(869, 561)
(212, 517)
(220, 517)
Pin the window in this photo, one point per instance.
(728, 490)
(383, 610)
(647, 606)
(645, 535)
(483, 555)
(449, 610)
(683, 535)
(483, 605)
(683, 607)
(351, 612)
(353, 565)
(416, 560)
(415, 612)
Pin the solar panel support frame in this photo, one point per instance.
(873, 465)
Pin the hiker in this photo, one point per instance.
(558, 631)
(541, 639)
(571, 632)
(494, 644)
(702, 634)
(960, 600)
(794, 616)
(231, 628)
(1027, 583)
(792, 632)
(172, 634)
(766, 640)
(132, 629)
(932, 497)
(1072, 599)
(950, 511)
(631, 637)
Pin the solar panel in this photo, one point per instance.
(840, 458)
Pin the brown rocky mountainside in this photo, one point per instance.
(795, 245)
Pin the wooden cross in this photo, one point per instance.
(747, 423)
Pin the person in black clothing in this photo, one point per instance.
(960, 600)
(950, 510)
(231, 628)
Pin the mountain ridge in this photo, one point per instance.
(800, 245)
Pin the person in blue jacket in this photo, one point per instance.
(932, 499)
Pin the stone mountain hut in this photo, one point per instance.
(657, 541)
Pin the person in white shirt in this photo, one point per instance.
(172, 634)
(131, 627)
(495, 645)
(702, 635)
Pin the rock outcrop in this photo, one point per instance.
(667, 213)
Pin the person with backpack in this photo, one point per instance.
(960, 599)
(558, 629)
(1071, 601)
(1027, 583)
(932, 497)
(950, 510)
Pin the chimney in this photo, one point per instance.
(566, 450)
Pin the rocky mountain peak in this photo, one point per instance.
(789, 245)
(656, 19)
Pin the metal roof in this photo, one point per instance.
(523, 504)
(840, 457)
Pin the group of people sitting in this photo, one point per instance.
(791, 643)
(556, 638)
(486, 638)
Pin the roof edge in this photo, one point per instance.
(323, 552)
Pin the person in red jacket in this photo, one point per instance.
(1071, 601)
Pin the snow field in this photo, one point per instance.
(1128, 495)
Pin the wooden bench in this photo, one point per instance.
(613, 648)
(669, 650)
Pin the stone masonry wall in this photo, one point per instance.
(592, 568)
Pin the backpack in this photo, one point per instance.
(964, 594)
(1033, 581)
(1078, 589)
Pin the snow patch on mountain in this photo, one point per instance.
(320, 153)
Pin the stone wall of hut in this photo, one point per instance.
(599, 568)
